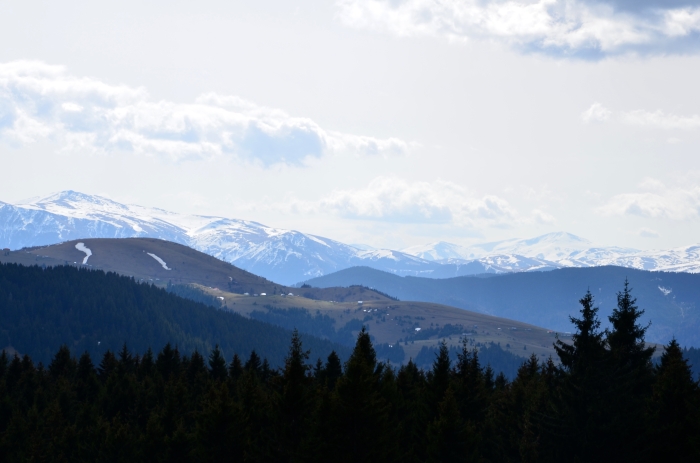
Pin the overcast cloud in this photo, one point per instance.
(391, 123)
(589, 29)
(656, 200)
(641, 117)
(43, 101)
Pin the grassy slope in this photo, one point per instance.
(129, 256)
(402, 317)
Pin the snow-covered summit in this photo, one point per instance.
(286, 256)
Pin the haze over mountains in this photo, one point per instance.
(289, 256)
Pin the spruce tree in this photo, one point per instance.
(470, 386)
(413, 413)
(582, 400)
(333, 370)
(235, 369)
(217, 364)
(361, 414)
(253, 364)
(626, 339)
(587, 348)
(439, 376)
(629, 381)
(675, 408)
(449, 439)
(63, 365)
(295, 402)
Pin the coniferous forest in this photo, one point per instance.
(94, 311)
(605, 401)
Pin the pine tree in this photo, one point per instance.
(626, 340)
(448, 437)
(217, 364)
(629, 380)
(439, 376)
(361, 414)
(675, 409)
(295, 401)
(470, 387)
(581, 420)
(168, 362)
(126, 360)
(235, 369)
(63, 365)
(413, 414)
(333, 370)
(253, 365)
(87, 384)
(107, 366)
(587, 348)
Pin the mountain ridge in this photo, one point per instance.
(671, 299)
(289, 256)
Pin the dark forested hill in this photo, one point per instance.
(88, 310)
(671, 300)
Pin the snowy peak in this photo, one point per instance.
(558, 238)
(440, 250)
(70, 199)
(551, 247)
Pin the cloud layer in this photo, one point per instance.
(391, 199)
(561, 27)
(642, 118)
(657, 201)
(40, 101)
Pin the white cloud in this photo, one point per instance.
(659, 119)
(642, 118)
(557, 26)
(543, 218)
(659, 202)
(40, 101)
(390, 199)
(648, 233)
(596, 113)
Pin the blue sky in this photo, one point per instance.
(391, 123)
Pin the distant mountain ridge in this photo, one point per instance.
(671, 301)
(289, 256)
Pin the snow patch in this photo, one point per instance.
(82, 248)
(666, 291)
(160, 261)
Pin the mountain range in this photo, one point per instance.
(289, 256)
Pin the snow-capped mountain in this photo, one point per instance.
(553, 247)
(288, 256)
(285, 256)
(559, 249)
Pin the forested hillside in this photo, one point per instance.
(604, 403)
(93, 311)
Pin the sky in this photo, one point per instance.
(388, 123)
